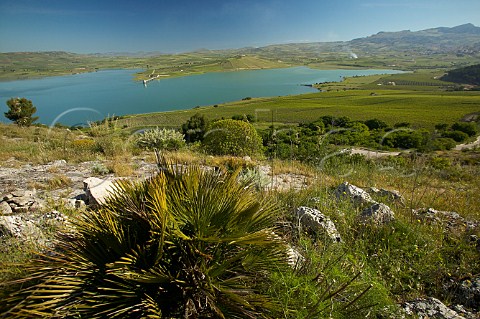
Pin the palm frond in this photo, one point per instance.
(186, 242)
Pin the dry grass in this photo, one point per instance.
(121, 166)
(59, 181)
(292, 167)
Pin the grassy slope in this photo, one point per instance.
(207, 64)
(14, 66)
(421, 109)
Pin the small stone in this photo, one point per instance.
(7, 197)
(59, 163)
(54, 215)
(20, 209)
(393, 195)
(5, 209)
(97, 190)
(378, 213)
(18, 193)
(21, 201)
(29, 193)
(37, 206)
(430, 308)
(356, 194)
(315, 220)
(17, 226)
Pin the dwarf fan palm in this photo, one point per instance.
(186, 243)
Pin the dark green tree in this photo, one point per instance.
(194, 128)
(21, 111)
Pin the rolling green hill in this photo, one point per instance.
(466, 75)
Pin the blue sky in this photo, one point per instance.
(91, 26)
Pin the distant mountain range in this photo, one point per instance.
(462, 39)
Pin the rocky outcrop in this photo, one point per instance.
(451, 220)
(5, 208)
(17, 226)
(429, 308)
(392, 195)
(97, 190)
(355, 194)
(284, 181)
(31, 226)
(465, 292)
(314, 220)
(20, 201)
(378, 214)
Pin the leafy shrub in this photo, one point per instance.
(244, 117)
(100, 169)
(191, 244)
(468, 128)
(443, 143)
(376, 124)
(110, 145)
(457, 136)
(440, 162)
(441, 126)
(194, 128)
(406, 139)
(162, 139)
(231, 137)
(255, 176)
(313, 128)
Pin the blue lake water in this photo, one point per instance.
(77, 99)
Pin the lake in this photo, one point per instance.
(77, 99)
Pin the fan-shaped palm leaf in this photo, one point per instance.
(187, 242)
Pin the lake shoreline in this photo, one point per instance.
(112, 92)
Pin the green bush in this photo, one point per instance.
(467, 128)
(443, 143)
(457, 136)
(194, 128)
(161, 139)
(183, 244)
(376, 124)
(244, 117)
(231, 137)
(406, 139)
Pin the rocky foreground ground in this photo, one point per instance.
(32, 198)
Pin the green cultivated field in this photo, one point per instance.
(421, 109)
